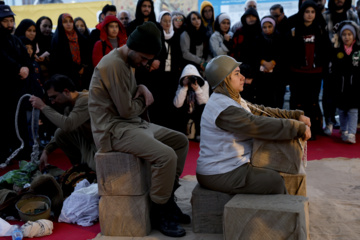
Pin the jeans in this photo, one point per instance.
(348, 120)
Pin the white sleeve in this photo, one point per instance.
(202, 93)
(180, 96)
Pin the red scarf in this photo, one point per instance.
(347, 49)
(73, 42)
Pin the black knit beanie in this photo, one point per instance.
(146, 38)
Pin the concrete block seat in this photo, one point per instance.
(266, 217)
(124, 207)
(208, 209)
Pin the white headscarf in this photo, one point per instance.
(171, 30)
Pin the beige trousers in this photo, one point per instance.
(76, 147)
(164, 149)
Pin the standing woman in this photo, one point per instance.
(270, 88)
(70, 53)
(309, 47)
(43, 38)
(194, 43)
(80, 24)
(178, 21)
(221, 40)
(164, 88)
(27, 29)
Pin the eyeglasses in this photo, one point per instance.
(276, 16)
(178, 19)
(53, 97)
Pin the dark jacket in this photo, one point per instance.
(245, 40)
(297, 47)
(345, 77)
(13, 56)
(61, 58)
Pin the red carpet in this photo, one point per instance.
(323, 147)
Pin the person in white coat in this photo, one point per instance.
(190, 99)
(221, 40)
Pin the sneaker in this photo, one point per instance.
(328, 129)
(344, 136)
(351, 138)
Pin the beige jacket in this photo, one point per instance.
(112, 106)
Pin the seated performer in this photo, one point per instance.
(228, 126)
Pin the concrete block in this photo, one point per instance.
(295, 183)
(281, 156)
(121, 174)
(207, 210)
(125, 215)
(266, 217)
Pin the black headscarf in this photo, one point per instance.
(197, 37)
(251, 30)
(87, 31)
(60, 35)
(44, 42)
(23, 26)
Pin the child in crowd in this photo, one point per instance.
(112, 35)
(190, 99)
(345, 77)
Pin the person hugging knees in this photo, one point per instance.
(229, 126)
(345, 73)
(190, 99)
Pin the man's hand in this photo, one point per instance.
(37, 102)
(24, 72)
(154, 65)
(144, 91)
(307, 135)
(43, 161)
(305, 120)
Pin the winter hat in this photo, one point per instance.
(224, 16)
(268, 19)
(219, 68)
(5, 11)
(348, 27)
(146, 38)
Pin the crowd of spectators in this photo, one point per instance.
(316, 48)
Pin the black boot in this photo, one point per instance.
(162, 218)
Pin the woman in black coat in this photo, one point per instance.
(309, 58)
(70, 54)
